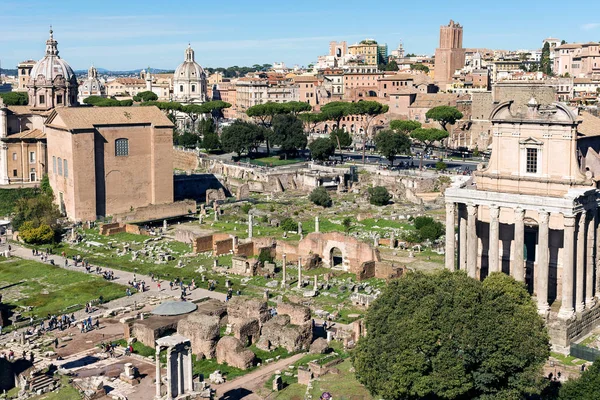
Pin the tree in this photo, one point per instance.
(45, 186)
(411, 55)
(288, 134)
(545, 64)
(419, 67)
(390, 143)
(444, 115)
(264, 113)
(341, 138)
(296, 107)
(347, 224)
(441, 166)
(215, 109)
(427, 228)
(369, 110)
(143, 97)
(310, 120)
(427, 137)
(461, 339)
(335, 111)
(42, 234)
(392, 66)
(404, 126)
(15, 98)
(186, 139)
(288, 224)
(321, 149)
(584, 388)
(379, 196)
(242, 137)
(211, 142)
(320, 197)
(193, 111)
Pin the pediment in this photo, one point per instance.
(531, 141)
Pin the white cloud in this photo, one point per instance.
(590, 26)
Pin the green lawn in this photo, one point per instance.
(567, 360)
(274, 161)
(207, 367)
(49, 289)
(139, 348)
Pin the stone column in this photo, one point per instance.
(315, 283)
(462, 238)
(170, 376)
(157, 372)
(317, 224)
(494, 248)
(250, 227)
(189, 371)
(299, 271)
(541, 285)
(566, 307)
(580, 257)
(450, 238)
(180, 385)
(283, 278)
(472, 240)
(517, 269)
(591, 262)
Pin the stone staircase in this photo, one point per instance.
(41, 384)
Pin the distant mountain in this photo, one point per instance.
(8, 72)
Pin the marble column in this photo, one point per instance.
(189, 371)
(591, 262)
(472, 240)
(158, 372)
(299, 271)
(180, 385)
(250, 226)
(517, 269)
(170, 376)
(566, 307)
(284, 267)
(317, 224)
(543, 266)
(494, 247)
(462, 238)
(580, 266)
(450, 237)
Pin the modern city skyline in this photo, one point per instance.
(127, 35)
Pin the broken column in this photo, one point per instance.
(317, 224)
(164, 224)
(299, 228)
(315, 284)
(250, 226)
(283, 279)
(299, 271)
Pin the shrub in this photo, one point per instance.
(246, 208)
(289, 224)
(427, 229)
(320, 197)
(265, 256)
(441, 166)
(43, 234)
(379, 196)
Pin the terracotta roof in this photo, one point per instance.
(28, 134)
(398, 77)
(26, 110)
(568, 46)
(305, 78)
(75, 118)
(586, 80)
(128, 81)
(590, 125)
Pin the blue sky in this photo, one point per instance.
(130, 34)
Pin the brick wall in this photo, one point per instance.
(221, 247)
(245, 249)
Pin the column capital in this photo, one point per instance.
(519, 214)
(569, 220)
(472, 209)
(494, 212)
(544, 216)
(450, 206)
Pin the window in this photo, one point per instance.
(59, 166)
(14, 156)
(59, 99)
(181, 88)
(54, 164)
(31, 157)
(121, 147)
(66, 168)
(531, 161)
(42, 99)
(14, 173)
(193, 88)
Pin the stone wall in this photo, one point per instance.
(147, 331)
(203, 332)
(562, 333)
(116, 227)
(245, 249)
(202, 244)
(185, 160)
(157, 212)
(186, 236)
(231, 351)
(279, 332)
(298, 313)
(221, 247)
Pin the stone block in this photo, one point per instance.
(280, 333)
(299, 314)
(231, 351)
(319, 346)
(203, 332)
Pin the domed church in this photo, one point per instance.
(52, 82)
(189, 80)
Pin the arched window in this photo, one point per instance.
(121, 147)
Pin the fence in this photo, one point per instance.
(584, 352)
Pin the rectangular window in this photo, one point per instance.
(59, 99)
(59, 166)
(14, 173)
(31, 157)
(42, 99)
(121, 147)
(65, 168)
(531, 162)
(14, 156)
(54, 164)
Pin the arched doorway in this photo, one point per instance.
(336, 258)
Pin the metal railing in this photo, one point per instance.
(584, 352)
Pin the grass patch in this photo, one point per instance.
(275, 161)
(285, 380)
(8, 198)
(66, 392)
(205, 367)
(262, 355)
(342, 386)
(567, 360)
(139, 348)
(50, 289)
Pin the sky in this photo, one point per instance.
(131, 34)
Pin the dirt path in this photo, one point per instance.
(246, 387)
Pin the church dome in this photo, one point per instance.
(51, 68)
(189, 69)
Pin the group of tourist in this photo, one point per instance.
(86, 324)
(11, 355)
(63, 322)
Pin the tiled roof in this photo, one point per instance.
(75, 118)
(28, 134)
(590, 125)
(430, 100)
